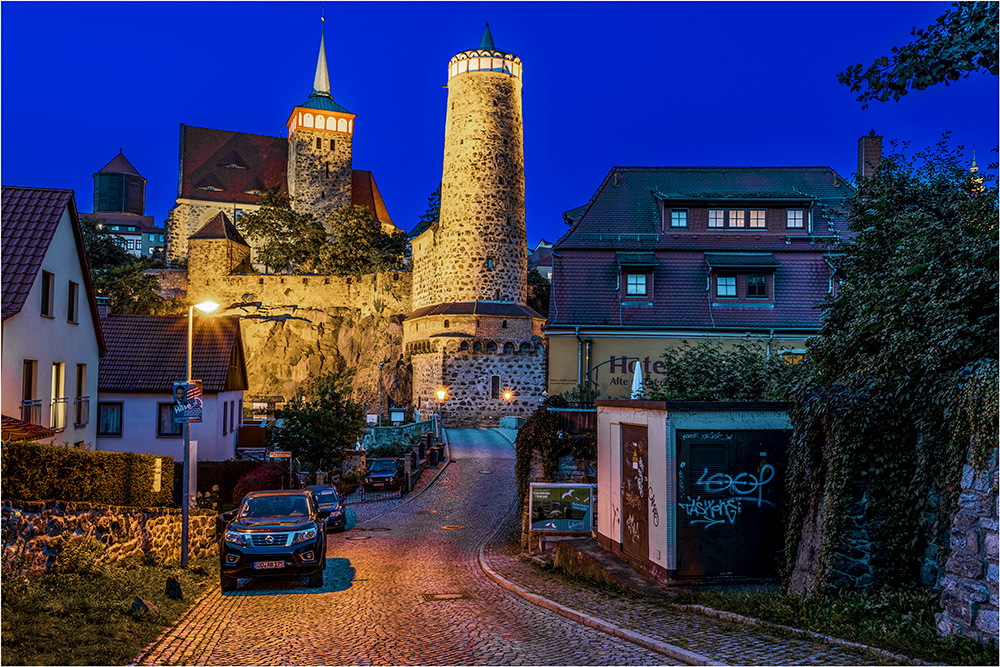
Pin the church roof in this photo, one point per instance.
(322, 101)
(321, 97)
(206, 159)
(365, 193)
(487, 41)
(120, 165)
(219, 227)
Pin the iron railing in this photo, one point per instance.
(57, 413)
(81, 411)
(31, 411)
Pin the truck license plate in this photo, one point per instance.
(269, 565)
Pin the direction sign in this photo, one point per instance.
(280, 455)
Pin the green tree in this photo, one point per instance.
(912, 333)
(104, 249)
(130, 290)
(359, 245)
(961, 41)
(283, 240)
(431, 215)
(712, 371)
(539, 290)
(321, 421)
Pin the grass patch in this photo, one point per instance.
(897, 621)
(83, 617)
(586, 581)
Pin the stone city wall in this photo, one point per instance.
(35, 531)
(969, 585)
(469, 378)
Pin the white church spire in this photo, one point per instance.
(321, 84)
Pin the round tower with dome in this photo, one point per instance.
(471, 331)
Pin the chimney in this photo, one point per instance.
(869, 154)
(102, 306)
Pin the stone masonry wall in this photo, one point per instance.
(296, 327)
(468, 377)
(36, 529)
(208, 257)
(969, 585)
(187, 217)
(319, 178)
(482, 196)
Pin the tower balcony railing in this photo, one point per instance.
(81, 411)
(57, 414)
(31, 411)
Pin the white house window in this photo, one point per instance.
(725, 286)
(165, 426)
(737, 218)
(716, 218)
(48, 294)
(757, 218)
(109, 419)
(678, 218)
(635, 284)
(795, 219)
(73, 306)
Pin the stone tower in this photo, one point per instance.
(320, 134)
(471, 330)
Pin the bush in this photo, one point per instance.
(262, 478)
(85, 556)
(223, 474)
(388, 450)
(33, 471)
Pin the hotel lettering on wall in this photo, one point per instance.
(730, 498)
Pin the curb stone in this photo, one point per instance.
(669, 650)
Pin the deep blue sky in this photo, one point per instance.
(605, 84)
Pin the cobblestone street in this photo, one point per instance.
(401, 588)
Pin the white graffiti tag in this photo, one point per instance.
(743, 484)
(711, 512)
(633, 528)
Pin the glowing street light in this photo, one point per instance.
(507, 395)
(205, 307)
(442, 394)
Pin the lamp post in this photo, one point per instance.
(442, 394)
(205, 307)
(380, 364)
(507, 395)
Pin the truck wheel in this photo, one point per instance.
(316, 579)
(227, 583)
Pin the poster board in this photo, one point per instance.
(562, 508)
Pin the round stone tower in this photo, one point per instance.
(471, 331)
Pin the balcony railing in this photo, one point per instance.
(57, 413)
(81, 411)
(31, 411)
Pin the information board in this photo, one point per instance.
(561, 507)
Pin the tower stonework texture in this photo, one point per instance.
(471, 331)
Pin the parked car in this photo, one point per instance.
(329, 500)
(274, 533)
(384, 474)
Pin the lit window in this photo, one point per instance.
(725, 286)
(795, 219)
(757, 219)
(736, 218)
(716, 218)
(678, 218)
(756, 286)
(635, 284)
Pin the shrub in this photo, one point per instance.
(33, 471)
(388, 450)
(262, 478)
(224, 475)
(85, 556)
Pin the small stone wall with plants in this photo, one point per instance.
(37, 533)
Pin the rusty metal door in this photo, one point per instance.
(635, 486)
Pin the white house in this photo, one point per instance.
(52, 340)
(146, 355)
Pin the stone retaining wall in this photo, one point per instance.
(36, 530)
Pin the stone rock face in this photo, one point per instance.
(970, 581)
(128, 533)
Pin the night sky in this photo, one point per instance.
(605, 84)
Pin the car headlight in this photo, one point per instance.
(236, 537)
(303, 535)
(336, 512)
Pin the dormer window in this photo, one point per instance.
(210, 188)
(795, 219)
(678, 218)
(725, 286)
(635, 284)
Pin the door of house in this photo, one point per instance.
(635, 491)
(729, 503)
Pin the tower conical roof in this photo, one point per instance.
(321, 97)
(487, 41)
(119, 165)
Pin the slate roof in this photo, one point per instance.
(484, 308)
(148, 353)
(30, 217)
(15, 430)
(219, 227)
(741, 261)
(204, 152)
(120, 165)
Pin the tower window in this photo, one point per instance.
(326, 165)
(322, 194)
(333, 144)
(319, 143)
(495, 387)
(489, 262)
(446, 324)
(503, 325)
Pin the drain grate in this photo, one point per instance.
(374, 529)
(485, 472)
(360, 537)
(452, 527)
(439, 597)
(426, 511)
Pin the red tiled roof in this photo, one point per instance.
(205, 152)
(148, 353)
(219, 227)
(364, 192)
(15, 430)
(30, 217)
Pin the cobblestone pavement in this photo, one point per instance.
(403, 587)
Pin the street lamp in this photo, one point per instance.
(380, 364)
(507, 395)
(441, 393)
(205, 307)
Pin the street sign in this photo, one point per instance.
(281, 455)
(187, 402)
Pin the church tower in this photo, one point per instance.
(471, 331)
(320, 134)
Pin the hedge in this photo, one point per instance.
(224, 474)
(33, 471)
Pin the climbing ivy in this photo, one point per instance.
(902, 378)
